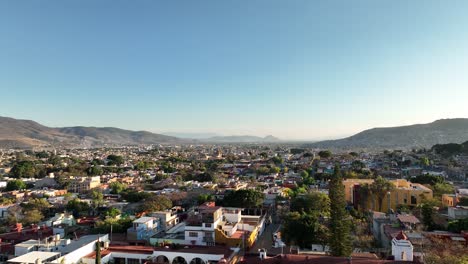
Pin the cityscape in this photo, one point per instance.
(222, 132)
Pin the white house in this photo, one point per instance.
(143, 228)
(458, 212)
(402, 249)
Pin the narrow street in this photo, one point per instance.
(266, 240)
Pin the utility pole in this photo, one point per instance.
(243, 238)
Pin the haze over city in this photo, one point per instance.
(292, 69)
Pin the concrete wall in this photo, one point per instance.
(75, 256)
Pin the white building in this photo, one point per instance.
(61, 219)
(167, 219)
(458, 212)
(143, 228)
(402, 249)
(4, 211)
(56, 250)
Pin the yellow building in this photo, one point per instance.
(449, 200)
(404, 193)
(83, 184)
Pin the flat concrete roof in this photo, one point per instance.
(143, 220)
(31, 257)
(27, 243)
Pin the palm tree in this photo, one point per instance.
(365, 192)
(98, 252)
(380, 187)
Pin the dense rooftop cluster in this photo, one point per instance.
(229, 203)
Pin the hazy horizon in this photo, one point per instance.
(297, 70)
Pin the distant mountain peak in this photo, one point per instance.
(441, 131)
(271, 138)
(16, 133)
(242, 139)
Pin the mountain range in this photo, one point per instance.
(441, 131)
(242, 139)
(16, 133)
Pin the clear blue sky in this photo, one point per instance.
(293, 69)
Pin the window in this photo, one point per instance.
(207, 225)
(133, 261)
(193, 234)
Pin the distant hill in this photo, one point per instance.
(191, 135)
(242, 139)
(404, 137)
(15, 133)
(451, 149)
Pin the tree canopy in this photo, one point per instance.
(156, 203)
(325, 154)
(114, 160)
(15, 185)
(243, 199)
(311, 203)
(340, 240)
(117, 187)
(24, 169)
(380, 187)
(305, 223)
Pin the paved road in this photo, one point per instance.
(266, 240)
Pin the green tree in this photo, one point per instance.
(133, 196)
(98, 252)
(6, 201)
(23, 169)
(97, 162)
(77, 207)
(340, 240)
(113, 212)
(459, 225)
(358, 165)
(203, 198)
(32, 217)
(304, 229)
(263, 170)
(243, 199)
(427, 179)
(143, 165)
(463, 202)
(97, 198)
(114, 160)
(296, 151)
(42, 155)
(15, 185)
(117, 187)
(95, 170)
(277, 160)
(312, 203)
(275, 169)
(424, 161)
(442, 188)
(325, 154)
(427, 212)
(206, 177)
(40, 204)
(156, 203)
(380, 187)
